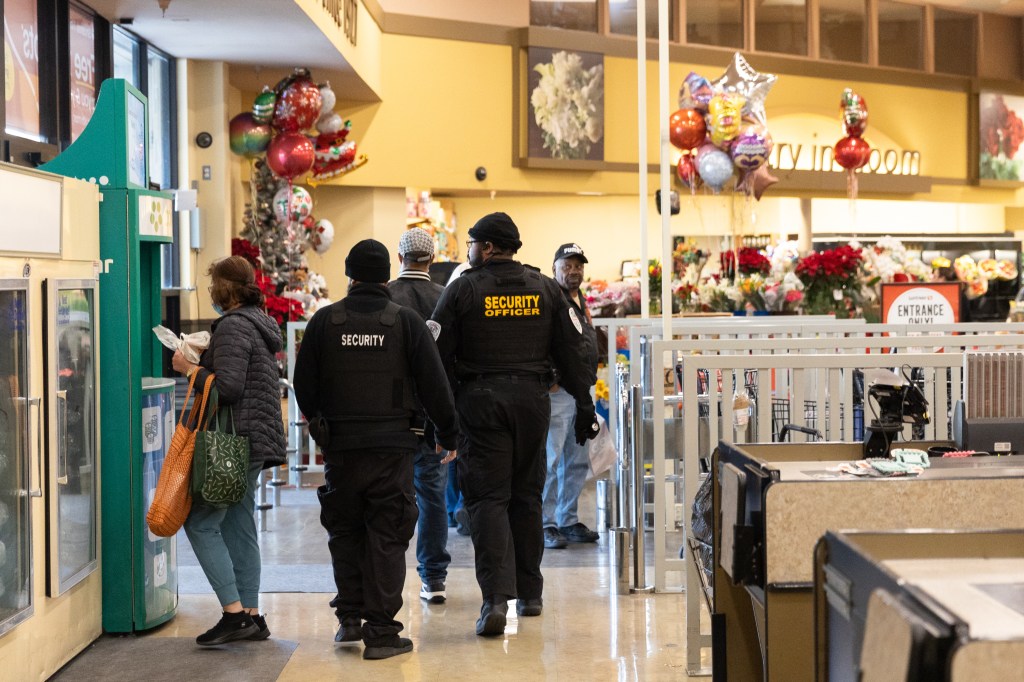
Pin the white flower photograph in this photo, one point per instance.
(566, 114)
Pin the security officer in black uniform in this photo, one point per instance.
(362, 363)
(499, 327)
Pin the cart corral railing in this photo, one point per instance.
(826, 378)
(640, 332)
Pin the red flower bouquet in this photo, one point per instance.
(752, 262)
(830, 280)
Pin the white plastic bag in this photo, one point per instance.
(602, 451)
(190, 345)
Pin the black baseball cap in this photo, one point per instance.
(567, 250)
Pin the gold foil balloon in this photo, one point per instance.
(725, 113)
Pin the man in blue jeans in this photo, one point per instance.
(414, 289)
(568, 461)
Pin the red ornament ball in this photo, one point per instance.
(298, 106)
(852, 152)
(290, 155)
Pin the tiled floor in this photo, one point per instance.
(585, 632)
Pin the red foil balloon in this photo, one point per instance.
(298, 106)
(852, 152)
(686, 129)
(686, 170)
(290, 155)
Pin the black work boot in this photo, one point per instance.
(492, 617)
(350, 630)
(386, 648)
(529, 607)
(231, 628)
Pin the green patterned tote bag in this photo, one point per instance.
(221, 461)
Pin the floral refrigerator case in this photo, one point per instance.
(50, 583)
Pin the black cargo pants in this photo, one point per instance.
(502, 463)
(368, 506)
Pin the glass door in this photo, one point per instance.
(71, 432)
(15, 474)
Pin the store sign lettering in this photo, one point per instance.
(793, 156)
(344, 13)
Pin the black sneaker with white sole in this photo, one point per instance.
(231, 628)
(433, 593)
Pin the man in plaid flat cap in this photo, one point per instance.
(414, 289)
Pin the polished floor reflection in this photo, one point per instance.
(585, 632)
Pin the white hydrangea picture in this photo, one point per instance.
(566, 113)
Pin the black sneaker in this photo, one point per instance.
(261, 623)
(579, 533)
(433, 592)
(529, 607)
(493, 614)
(553, 539)
(350, 630)
(462, 521)
(231, 628)
(387, 648)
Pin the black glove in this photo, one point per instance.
(586, 426)
(321, 431)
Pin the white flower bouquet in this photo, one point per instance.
(568, 105)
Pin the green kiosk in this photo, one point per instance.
(140, 587)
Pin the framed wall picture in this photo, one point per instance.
(1001, 137)
(564, 107)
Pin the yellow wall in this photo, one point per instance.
(447, 108)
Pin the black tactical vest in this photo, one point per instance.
(366, 369)
(508, 328)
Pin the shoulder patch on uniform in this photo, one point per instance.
(575, 320)
(435, 328)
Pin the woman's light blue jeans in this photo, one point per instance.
(227, 547)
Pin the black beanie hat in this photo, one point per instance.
(498, 229)
(369, 261)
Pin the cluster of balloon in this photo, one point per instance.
(721, 128)
(852, 152)
(278, 124)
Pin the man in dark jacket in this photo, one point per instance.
(499, 328)
(363, 362)
(414, 289)
(568, 461)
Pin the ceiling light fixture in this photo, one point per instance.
(164, 4)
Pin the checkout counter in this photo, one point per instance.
(946, 606)
(772, 502)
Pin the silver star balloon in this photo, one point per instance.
(742, 78)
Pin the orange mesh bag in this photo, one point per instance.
(172, 500)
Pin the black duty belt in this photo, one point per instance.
(510, 378)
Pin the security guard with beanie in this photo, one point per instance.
(499, 328)
(362, 365)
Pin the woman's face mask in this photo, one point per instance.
(217, 309)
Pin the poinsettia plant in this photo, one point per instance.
(752, 262)
(830, 278)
